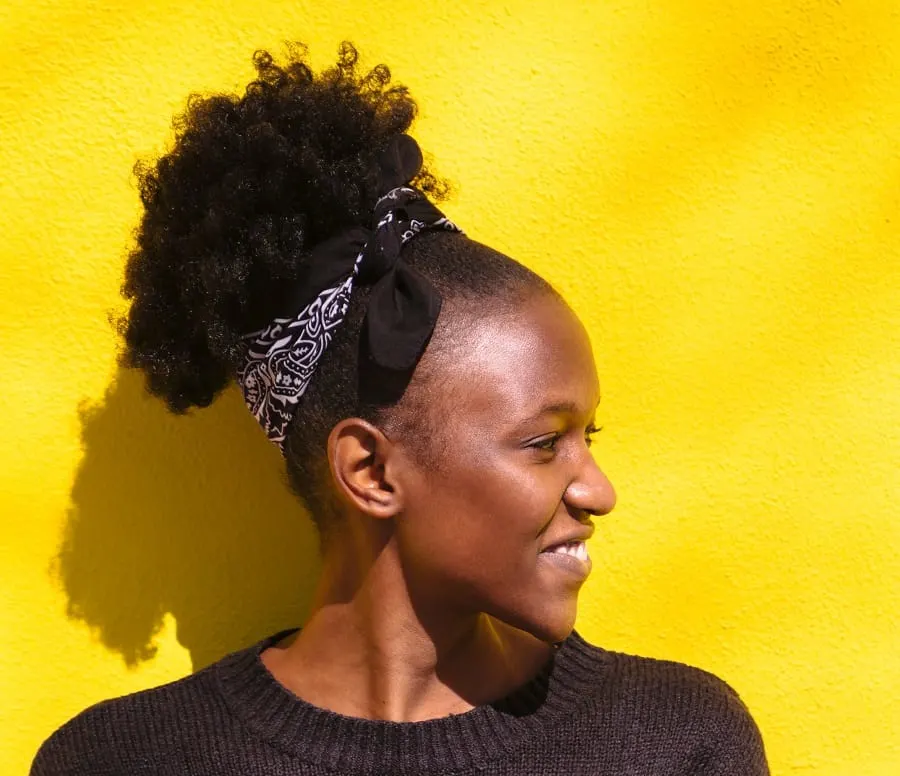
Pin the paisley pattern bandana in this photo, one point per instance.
(280, 359)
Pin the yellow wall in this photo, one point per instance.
(714, 185)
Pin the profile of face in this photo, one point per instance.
(479, 527)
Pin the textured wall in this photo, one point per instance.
(714, 185)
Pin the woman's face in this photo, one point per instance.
(514, 474)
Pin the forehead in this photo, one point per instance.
(511, 365)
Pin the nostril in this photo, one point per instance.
(583, 516)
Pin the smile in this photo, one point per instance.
(571, 557)
(575, 549)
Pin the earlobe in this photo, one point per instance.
(361, 462)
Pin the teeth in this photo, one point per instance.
(575, 549)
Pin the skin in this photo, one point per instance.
(438, 597)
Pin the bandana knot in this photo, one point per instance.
(403, 305)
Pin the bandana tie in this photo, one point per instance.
(403, 306)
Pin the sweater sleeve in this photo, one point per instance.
(69, 753)
(91, 744)
(734, 745)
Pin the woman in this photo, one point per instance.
(434, 402)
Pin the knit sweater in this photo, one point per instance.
(588, 711)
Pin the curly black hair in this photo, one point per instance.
(251, 183)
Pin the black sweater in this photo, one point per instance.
(589, 711)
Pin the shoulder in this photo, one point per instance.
(684, 707)
(668, 679)
(131, 734)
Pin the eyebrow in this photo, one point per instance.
(557, 408)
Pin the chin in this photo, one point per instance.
(551, 624)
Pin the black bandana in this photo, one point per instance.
(402, 311)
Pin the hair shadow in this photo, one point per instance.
(189, 515)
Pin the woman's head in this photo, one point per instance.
(473, 485)
(507, 475)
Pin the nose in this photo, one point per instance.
(591, 491)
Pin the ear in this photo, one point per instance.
(363, 462)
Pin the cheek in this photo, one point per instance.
(484, 518)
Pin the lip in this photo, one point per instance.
(569, 564)
(581, 536)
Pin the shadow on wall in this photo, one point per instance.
(189, 515)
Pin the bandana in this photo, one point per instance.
(403, 307)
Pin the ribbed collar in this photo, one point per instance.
(349, 744)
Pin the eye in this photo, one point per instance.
(546, 444)
(590, 432)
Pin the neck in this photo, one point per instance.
(370, 650)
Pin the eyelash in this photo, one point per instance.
(549, 444)
(590, 432)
